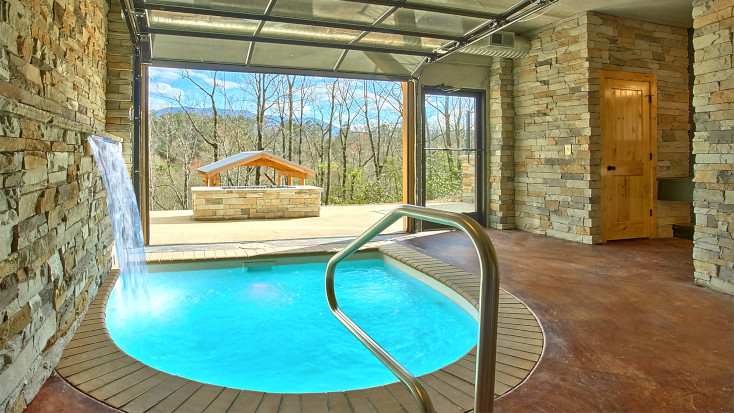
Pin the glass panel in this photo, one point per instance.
(494, 6)
(450, 139)
(330, 10)
(198, 23)
(309, 33)
(379, 63)
(404, 42)
(431, 22)
(249, 6)
(192, 49)
(299, 57)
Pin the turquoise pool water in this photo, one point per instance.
(270, 329)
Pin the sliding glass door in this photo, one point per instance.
(452, 149)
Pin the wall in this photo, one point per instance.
(630, 45)
(55, 236)
(553, 172)
(713, 145)
(557, 122)
(119, 80)
(221, 203)
(501, 145)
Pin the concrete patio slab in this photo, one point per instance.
(179, 227)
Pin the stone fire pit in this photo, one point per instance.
(214, 202)
(255, 202)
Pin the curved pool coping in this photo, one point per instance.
(94, 364)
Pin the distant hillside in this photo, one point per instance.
(203, 111)
(269, 119)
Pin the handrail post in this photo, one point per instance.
(488, 303)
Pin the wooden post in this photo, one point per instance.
(409, 159)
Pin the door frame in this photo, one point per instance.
(480, 214)
(604, 77)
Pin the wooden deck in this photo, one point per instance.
(95, 365)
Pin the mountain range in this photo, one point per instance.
(269, 119)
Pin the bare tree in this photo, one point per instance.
(346, 116)
(377, 96)
(211, 137)
(176, 146)
(349, 131)
(261, 88)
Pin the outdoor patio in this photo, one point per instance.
(179, 227)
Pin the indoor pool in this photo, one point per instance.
(269, 328)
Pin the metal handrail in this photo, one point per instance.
(488, 303)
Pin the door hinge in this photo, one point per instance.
(651, 156)
(649, 98)
(650, 211)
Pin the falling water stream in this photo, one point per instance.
(126, 228)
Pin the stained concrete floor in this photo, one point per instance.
(626, 328)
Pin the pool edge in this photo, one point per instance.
(141, 387)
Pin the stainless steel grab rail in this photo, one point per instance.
(488, 303)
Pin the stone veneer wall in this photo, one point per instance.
(501, 196)
(119, 80)
(55, 237)
(553, 133)
(630, 45)
(468, 179)
(713, 145)
(557, 123)
(215, 203)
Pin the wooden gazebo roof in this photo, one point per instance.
(254, 158)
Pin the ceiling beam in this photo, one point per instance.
(137, 24)
(251, 48)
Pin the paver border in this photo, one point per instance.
(94, 364)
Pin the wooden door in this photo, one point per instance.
(628, 155)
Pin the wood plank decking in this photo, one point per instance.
(95, 365)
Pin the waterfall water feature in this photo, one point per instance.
(126, 228)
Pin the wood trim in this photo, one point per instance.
(91, 350)
(409, 149)
(651, 79)
(263, 159)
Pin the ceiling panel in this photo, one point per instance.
(297, 57)
(184, 23)
(432, 22)
(248, 6)
(329, 10)
(383, 38)
(192, 49)
(379, 63)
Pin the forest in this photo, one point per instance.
(349, 132)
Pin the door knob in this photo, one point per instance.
(611, 168)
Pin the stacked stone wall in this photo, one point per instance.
(557, 116)
(630, 45)
(468, 179)
(553, 174)
(119, 80)
(501, 144)
(713, 144)
(215, 203)
(55, 237)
